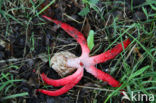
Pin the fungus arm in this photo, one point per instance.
(78, 36)
(63, 81)
(64, 89)
(110, 54)
(103, 76)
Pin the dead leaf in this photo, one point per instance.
(136, 50)
(86, 28)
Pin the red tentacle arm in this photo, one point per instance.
(78, 36)
(64, 89)
(103, 76)
(110, 54)
(63, 81)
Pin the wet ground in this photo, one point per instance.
(27, 42)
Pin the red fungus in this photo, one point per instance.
(84, 61)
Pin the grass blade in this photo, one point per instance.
(138, 72)
(15, 95)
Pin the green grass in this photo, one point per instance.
(7, 83)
